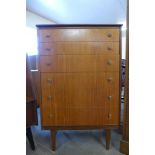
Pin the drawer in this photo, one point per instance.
(81, 34)
(74, 48)
(81, 116)
(79, 63)
(77, 116)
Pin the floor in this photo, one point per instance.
(90, 142)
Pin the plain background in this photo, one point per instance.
(13, 77)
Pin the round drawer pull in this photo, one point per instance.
(48, 49)
(49, 97)
(109, 116)
(49, 80)
(109, 35)
(109, 62)
(47, 36)
(109, 79)
(109, 48)
(48, 63)
(110, 97)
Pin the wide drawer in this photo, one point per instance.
(79, 117)
(79, 63)
(56, 48)
(75, 34)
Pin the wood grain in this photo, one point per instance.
(79, 91)
(80, 48)
(74, 34)
(79, 63)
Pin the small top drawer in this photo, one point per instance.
(78, 34)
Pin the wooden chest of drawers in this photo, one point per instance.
(80, 77)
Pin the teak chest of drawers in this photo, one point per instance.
(80, 77)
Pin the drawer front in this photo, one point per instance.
(76, 117)
(79, 63)
(74, 48)
(80, 117)
(92, 34)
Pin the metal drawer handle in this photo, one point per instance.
(47, 36)
(109, 62)
(48, 63)
(48, 49)
(109, 48)
(109, 97)
(49, 97)
(49, 80)
(109, 116)
(109, 35)
(109, 79)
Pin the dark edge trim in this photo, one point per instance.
(78, 25)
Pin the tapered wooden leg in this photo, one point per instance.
(108, 136)
(53, 138)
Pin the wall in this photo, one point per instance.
(32, 19)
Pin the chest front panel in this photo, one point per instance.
(80, 76)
